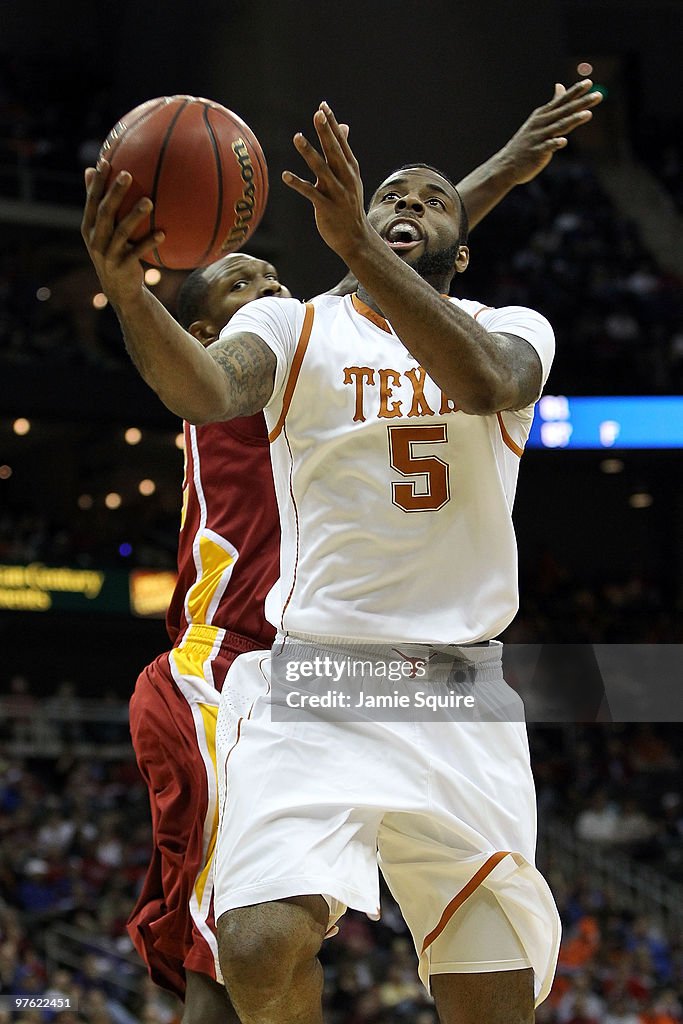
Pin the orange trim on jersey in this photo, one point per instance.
(512, 445)
(369, 314)
(464, 894)
(482, 310)
(298, 359)
(296, 520)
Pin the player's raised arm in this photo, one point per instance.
(529, 150)
(200, 385)
(525, 155)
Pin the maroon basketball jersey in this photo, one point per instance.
(228, 549)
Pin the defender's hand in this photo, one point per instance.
(546, 129)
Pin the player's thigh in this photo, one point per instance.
(500, 997)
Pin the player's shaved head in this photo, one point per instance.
(192, 298)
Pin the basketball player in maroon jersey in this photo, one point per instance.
(227, 561)
(228, 558)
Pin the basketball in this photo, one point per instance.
(203, 169)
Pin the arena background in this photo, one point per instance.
(595, 243)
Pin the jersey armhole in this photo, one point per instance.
(297, 360)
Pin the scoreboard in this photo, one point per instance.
(608, 422)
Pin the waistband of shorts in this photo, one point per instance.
(213, 638)
(486, 656)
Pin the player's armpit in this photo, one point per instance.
(249, 366)
(524, 373)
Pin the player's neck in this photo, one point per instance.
(365, 297)
(441, 286)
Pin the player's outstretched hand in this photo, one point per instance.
(546, 129)
(337, 193)
(115, 256)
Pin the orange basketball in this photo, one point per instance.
(203, 169)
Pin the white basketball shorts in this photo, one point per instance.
(310, 805)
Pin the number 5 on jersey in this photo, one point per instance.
(428, 470)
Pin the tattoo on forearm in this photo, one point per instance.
(249, 366)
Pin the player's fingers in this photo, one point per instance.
(590, 99)
(331, 144)
(145, 245)
(559, 90)
(304, 188)
(547, 118)
(568, 124)
(95, 180)
(128, 225)
(325, 179)
(575, 91)
(108, 207)
(341, 135)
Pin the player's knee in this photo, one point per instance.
(263, 947)
(206, 1002)
(498, 997)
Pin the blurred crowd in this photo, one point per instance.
(92, 538)
(557, 245)
(659, 145)
(560, 605)
(59, 135)
(74, 842)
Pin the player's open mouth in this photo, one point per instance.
(403, 235)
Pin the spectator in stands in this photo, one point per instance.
(599, 823)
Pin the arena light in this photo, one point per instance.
(641, 499)
(85, 502)
(21, 426)
(612, 466)
(43, 294)
(180, 442)
(100, 300)
(152, 276)
(133, 435)
(147, 487)
(5, 472)
(113, 500)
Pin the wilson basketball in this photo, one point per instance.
(203, 169)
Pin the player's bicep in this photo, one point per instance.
(249, 366)
(524, 371)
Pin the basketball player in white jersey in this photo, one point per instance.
(395, 532)
(397, 419)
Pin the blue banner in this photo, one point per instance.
(608, 422)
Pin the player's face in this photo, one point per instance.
(417, 213)
(236, 280)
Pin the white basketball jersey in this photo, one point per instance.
(395, 506)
